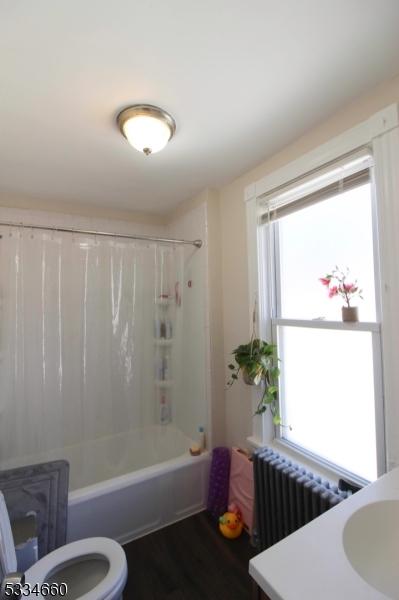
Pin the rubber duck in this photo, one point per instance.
(231, 524)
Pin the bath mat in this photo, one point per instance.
(41, 490)
(219, 482)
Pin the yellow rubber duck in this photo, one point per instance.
(230, 525)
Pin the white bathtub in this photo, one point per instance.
(138, 482)
(126, 485)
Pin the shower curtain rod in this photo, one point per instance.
(147, 238)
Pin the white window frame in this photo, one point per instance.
(381, 134)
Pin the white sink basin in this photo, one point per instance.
(371, 543)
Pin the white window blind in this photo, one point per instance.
(350, 171)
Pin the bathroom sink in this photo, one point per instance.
(371, 544)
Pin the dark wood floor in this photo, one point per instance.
(189, 560)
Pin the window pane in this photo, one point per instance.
(327, 384)
(337, 231)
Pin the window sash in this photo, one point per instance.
(272, 266)
(375, 330)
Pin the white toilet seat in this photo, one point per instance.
(110, 587)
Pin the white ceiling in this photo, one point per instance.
(241, 77)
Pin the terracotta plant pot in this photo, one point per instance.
(350, 314)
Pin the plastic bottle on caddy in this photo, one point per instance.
(157, 328)
(166, 367)
(164, 412)
(168, 329)
(159, 370)
(162, 329)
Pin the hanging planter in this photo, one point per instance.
(251, 378)
(257, 362)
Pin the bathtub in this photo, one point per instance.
(126, 485)
(148, 480)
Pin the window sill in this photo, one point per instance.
(322, 324)
(317, 466)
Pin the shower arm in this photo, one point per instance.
(146, 238)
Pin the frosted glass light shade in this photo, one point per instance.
(147, 128)
(146, 132)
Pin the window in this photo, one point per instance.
(330, 384)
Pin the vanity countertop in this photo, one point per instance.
(311, 563)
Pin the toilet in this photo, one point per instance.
(92, 569)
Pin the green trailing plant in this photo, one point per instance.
(258, 363)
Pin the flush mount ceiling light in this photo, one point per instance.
(147, 128)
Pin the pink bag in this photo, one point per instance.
(241, 488)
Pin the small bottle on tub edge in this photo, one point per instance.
(196, 449)
(201, 438)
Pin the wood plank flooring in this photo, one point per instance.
(189, 560)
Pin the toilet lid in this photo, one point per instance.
(110, 586)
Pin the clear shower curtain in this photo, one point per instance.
(77, 336)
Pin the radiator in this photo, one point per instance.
(287, 496)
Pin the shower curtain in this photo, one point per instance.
(77, 336)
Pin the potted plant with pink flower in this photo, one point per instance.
(339, 283)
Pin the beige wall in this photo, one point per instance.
(234, 242)
(13, 200)
(215, 292)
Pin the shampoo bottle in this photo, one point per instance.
(201, 437)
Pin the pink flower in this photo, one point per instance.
(349, 287)
(333, 291)
(343, 289)
(324, 281)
